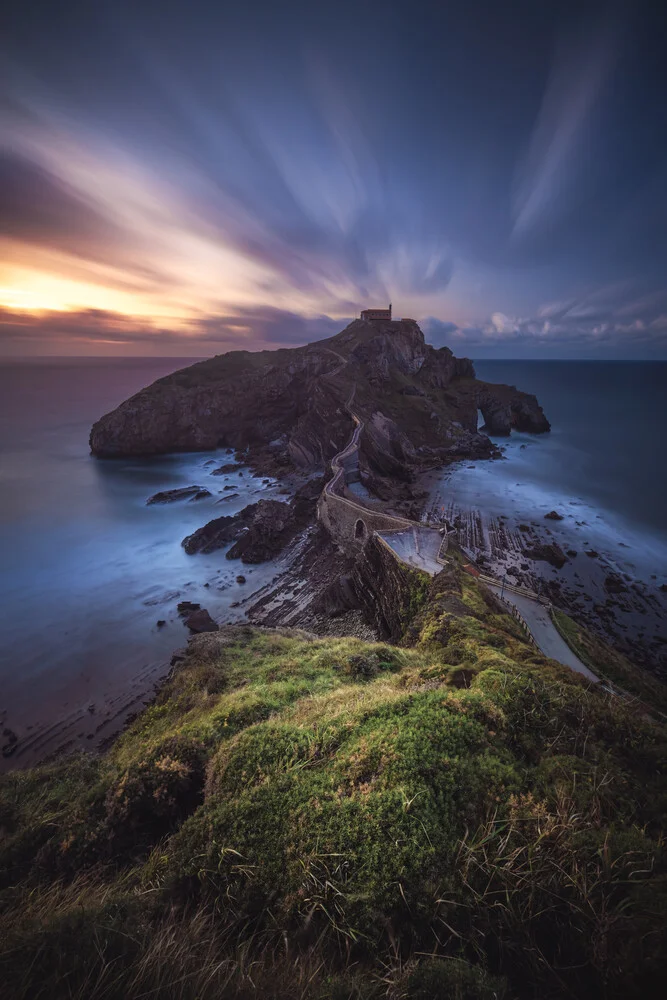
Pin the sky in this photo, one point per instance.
(189, 178)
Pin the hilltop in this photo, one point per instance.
(449, 816)
(288, 409)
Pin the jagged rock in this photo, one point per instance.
(261, 530)
(228, 467)
(170, 496)
(201, 621)
(240, 578)
(216, 534)
(553, 515)
(269, 527)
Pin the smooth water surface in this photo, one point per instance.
(87, 567)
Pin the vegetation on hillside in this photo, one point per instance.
(454, 817)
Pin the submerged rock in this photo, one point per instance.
(182, 493)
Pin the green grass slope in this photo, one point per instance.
(454, 817)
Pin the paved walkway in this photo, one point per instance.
(543, 630)
(417, 547)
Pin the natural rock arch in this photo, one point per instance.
(360, 529)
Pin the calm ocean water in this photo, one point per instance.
(608, 443)
(88, 568)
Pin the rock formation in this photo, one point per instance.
(182, 493)
(291, 408)
(261, 530)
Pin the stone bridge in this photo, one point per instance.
(351, 522)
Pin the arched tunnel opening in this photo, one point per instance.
(359, 529)
(480, 420)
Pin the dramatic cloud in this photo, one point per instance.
(85, 331)
(256, 175)
(595, 326)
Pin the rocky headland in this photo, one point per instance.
(288, 409)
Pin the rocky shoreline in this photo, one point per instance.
(312, 587)
(566, 558)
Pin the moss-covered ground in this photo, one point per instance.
(454, 817)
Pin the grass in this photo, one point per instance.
(456, 816)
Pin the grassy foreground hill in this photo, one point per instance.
(455, 816)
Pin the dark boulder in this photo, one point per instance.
(223, 470)
(548, 552)
(201, 621)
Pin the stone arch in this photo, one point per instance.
(360, 530)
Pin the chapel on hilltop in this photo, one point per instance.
(376, 313)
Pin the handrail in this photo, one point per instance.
(521, 591)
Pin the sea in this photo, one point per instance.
(88, 568)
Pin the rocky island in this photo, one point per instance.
(288, 409)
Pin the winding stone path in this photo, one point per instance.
(546, 635)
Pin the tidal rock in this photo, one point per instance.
(269, 527)
(227, 468)
(215, 535)
(553, 515)
(287, 408)
(548, 552)
(170, 496)
(240, 578)
(261, 530)
(201, 621)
